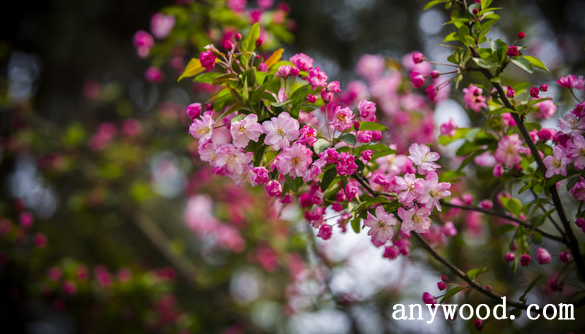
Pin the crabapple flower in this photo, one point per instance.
(380, 225)
(546, 109)
(508, 150)
(572, 124)
(342, 119)
(280, 131)
(161, 25)
(542, 256)
(232, 158)
(571, 81)
(238, 6)
(433, 191)
(143, 41)
(154, 75)
(576, 151)
(207, 60)
(302, 61)
(245, 130)
(431, 92)
(294, 160)
(193, 110)
(427, 298)
(274, 188)
(407, 188)
(578, 190)
(473, 98)
(317, 78)
(346, 164)
(534, 92)
(207, 151)
(308, 135)
(202, 128)
(418, 80)
(421, 156)
(325, 232)
(556, 164)
(448, 128)
(370, 67)
(512, 51)
(367, 110)
(525, 260)
(415, 219)
(260, 175)
(509, 257)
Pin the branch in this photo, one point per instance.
(495, 214)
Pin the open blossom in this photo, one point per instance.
(232, 158)
(308, 135)
(161, 25)
(421, 156)
(572, 124)
(273, 188)
(578, 190)
(281, 131)
(283, 71)
(207, 151)
(473, 98)
(407, 188)
(367, 110)
(546, 109)
(294, 160)
(302, 61)
(346, 164)
(380, 226)
(317, 78)
(260, 175)
(202, 128)
(508, 150)
(571, 81)
(342, 118)
(415, 219)
(370, 67)
(245, 130)
(556, 164)
(433, 191)
(576, 151)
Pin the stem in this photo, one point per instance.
(552, 220)
(501, 215)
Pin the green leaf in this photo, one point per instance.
(485, 4)
(536, 62)
(523, 63)
(485, 63)
(372, 126)
(473, 273)
(328, 177)
(207, 77)
(432, 3)
(291, 183)
(452, 292)
(372, 201)
(356, 224)
(321, 145)
(506, 228)
(513, 205)
(349, 138)
(249, 43)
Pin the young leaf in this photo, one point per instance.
(452, 292)
(274, 58)
(536, 62)
(192, 69)
(372, 126)
(328, 177)
(523, 63)
(349, 138)
(249, 43)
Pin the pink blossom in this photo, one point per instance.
(441, 286)
(545, 134)
(525, 260)
(571, 81)
(508, 150)
(513, 51)
(431, 92)
(433, 191)
(161, 25)
(578, 190)
(245, 130)
(508, 120)
(576, 151)
(364, 136)
(202, 128)
(208, 60)
(565, 257)
(312, 173)
(498, 170)
(366, 155)
(370, 67)
(415, 219)
(342, 119)
(534, 92)
(351, 190)
(546, 109)
(556, 164)
(380, 225)
(283, 71)
(143, 41)
(421, 156)
(233, 159)
(26, 219)
(154, 75)
(207, 151)
(194, 110)
(302, 61)
(486, 159)
(418, 80)
(325, 232)
(367, 110)
(571, 124)
(273, 188)
(281, 131)
(265, 3)
(448, 128)
(390, 252)
(308, 135)
(427, 298)
(510, 92)
(473, 98)
(260, 175)
(449, 229)
(346, 164)
(579, 110)
(311, 98)
(132, 127)
(509, 257)
(317, 78)
(407, 188)
(294, 160)
(423, 67)
(486, 204)
(542, 256)
(238, 6)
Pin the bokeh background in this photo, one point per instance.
(109, 222)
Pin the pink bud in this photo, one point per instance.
(498, 170)
(521, 35)
(542, 256)
(194, 110)
(543, 87)
(325, 232)
(486, 204)
(418, 57)
(441, 285)
(311, 98)
(565, 257)
(509, 257)
(477, 322)
(534, 91)
(274, 188)
(427, 298)
(510, 92)
(391, 252)
(525, 260)
(435, 74)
